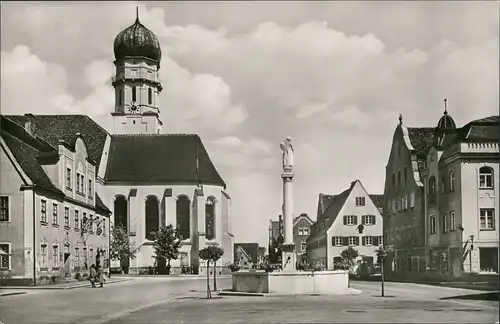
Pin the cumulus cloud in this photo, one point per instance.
(335, 85)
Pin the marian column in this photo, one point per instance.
(288, 257)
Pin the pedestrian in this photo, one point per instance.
(100, 274)
(93, 275)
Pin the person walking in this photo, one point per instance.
(100, 274)
(93, 275)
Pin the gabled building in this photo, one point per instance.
(53, 223)
(147, 178)
(246, 254)
(441, 216)
(350, 218)
(301, 230)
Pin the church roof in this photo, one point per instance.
(131, 158)
(160, 158)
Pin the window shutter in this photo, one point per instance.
(345, 220)
(357, 240)
(363, 220)
(363, 240)
(355, 220)
(333, 240)
(375, 240)
(373, 219)
(345, 241)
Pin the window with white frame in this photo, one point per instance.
(444, 223)
(360, 201)
(303, 246)
(452, 181)
(486, 178)
(367, 240)
(432, 224)
(453, 221)
(77, 220)
(368, 220)
(487, 218)
(66, 217)
(303, 231)
(381, 240)
(412, 200)
(69, 178)
(104, 226)
(4, 209)
(337, 241)
(85, 258)
(350, 220)
(55, 256)
(43, 212)
(353, 240)
(92, 223)
(5, 256)
(43, 256)
(77, 182)
(55, 216)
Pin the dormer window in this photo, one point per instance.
(90, 189)
(68, 178)
(80, 183)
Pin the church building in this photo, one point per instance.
(146, 178)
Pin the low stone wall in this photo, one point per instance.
(304, 282)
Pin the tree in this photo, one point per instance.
(121, 248)
(211, 253)
(347, 258)
(166, 245)
(381, 255)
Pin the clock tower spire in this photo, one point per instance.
(137, 82)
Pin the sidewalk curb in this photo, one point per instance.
(48, 287)
(13, 293)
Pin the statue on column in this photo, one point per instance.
(287, 149)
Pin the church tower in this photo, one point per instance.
(137, 81)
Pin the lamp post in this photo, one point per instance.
(470, 252)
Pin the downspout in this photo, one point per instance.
(109, 246)
(34, 237)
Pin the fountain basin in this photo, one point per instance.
(294, 283)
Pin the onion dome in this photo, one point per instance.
(137, 40)
(446, 122)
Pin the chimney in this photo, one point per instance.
(29, 125)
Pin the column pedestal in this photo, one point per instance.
(288, 258)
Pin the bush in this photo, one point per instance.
(234, 267)
(78, 276)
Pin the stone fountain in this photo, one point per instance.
(289, 280)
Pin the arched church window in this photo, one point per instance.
(183, 217)
(134, 93)
(210, 219)
(121, 212)
(150, 96)
(152, 216)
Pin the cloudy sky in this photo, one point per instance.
(333, 76)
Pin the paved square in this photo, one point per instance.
(168, 300)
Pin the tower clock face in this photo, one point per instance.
(134, 109)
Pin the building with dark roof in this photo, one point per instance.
(53, 223)
(441, 196)
(351, 218)
(301, 230)
(147, 179)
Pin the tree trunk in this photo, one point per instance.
(209, 295)
(215, 272)
(382, 274)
